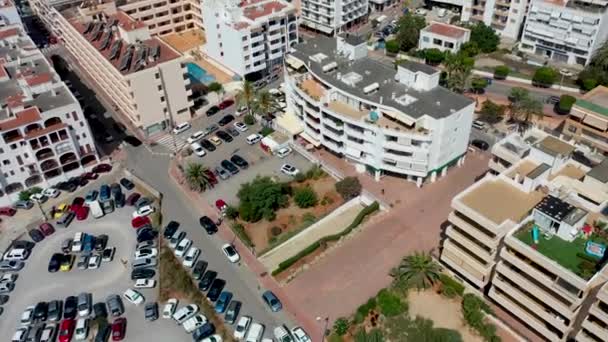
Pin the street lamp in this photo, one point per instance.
(563, 72)
(324, 333)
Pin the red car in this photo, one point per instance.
(7, 211)
(47, 229)
(82, 213)
(77, 203)
(212, 177)
(140, 221)
(101, 168)
(132, 199)
(66, 330)
(226, 103)
(90, 175)
(119, 327)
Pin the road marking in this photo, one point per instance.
(166, 140)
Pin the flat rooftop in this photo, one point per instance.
(185, 41)
(595, 101)
(569, 171)
(554, 146)
(488, 199)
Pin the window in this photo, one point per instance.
(160, 87)
(244, 38)
(19, 160)
(75, 116)
(222, 54)
(157, 76)
(81, 124)
(437, 41)
(1, 150)
(13, 146)
(67, 115)
(6, 162)
(25, 155)
(162, 99)
(12, 173)
(425, 39)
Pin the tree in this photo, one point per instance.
(408, 32)
(565, 104)
(246, 96)
(518, 93)
(525, 110)
(349, 188)
(265, 103)
(544, 77)
(341, 326)
(261, 198)
(492, 112)
(458, 68)
(501, 72)
(484, 36)
(305, 197)
(248, 119)
(418, 270)
(197, 177)
(215, 87)
(479, 85)
(596, 72)
(470, 49)
(433, 56)
(392, 46)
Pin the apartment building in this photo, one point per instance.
(333, 16)
(525, 237)
(144, 78)
(566, 31)
(588, 120)
(595, 326)
(45, 137)
(165, 16)
(444, 37)
(9, 14)
(249, 37)
(385, 121)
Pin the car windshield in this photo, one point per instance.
(230, 251)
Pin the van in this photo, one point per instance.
(255, 333)
(107, 206)
(17, 254)
(478, 125)
(77, 242)
(181, 128)
(66, 219)
(254, 138)
(96, 210)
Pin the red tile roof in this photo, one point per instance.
(240, 25)
(446, 30)
(38, 79)
(127, 22)
(9, 32)
(262, 10)
(24, 117)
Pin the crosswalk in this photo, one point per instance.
(167, 140)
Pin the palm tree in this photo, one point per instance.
(246, 96)
(418, 270)
(458, 68)
(197, 177)
(525, 110)
(265, 103)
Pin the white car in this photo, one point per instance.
(255, 333)
(181, 128)
(27, 315)
(289, 170)
(231, 253)
(133, 296)
(191, 257)
(146, 253)
(241, 110)
(240, 126)
(194, 322)
(254, 138)
(241, 327)
(182, 247)
(108, 254)
(300, 335)
(39, 197)
(144, 211)
(198, 149)
(183, 314)
(8, 278)
(169, 308)
(20, 334)
(82, 329)
(94, 262)
(49, 332)
(213, 338)
(284, 152)
(195, 137)
(51, 192)
(144, 283)
(420, 11)
(282, 335)
(145, 244)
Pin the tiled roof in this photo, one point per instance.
(9, 32)
(24, 117)
(39, 132)
(262, 10)
(127, 23)
(446, 30)
(38, 79)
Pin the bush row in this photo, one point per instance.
(308, 250)
(450, 287)
(474, 310)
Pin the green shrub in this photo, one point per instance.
(25, 194)
(473, 309)
(300, 177)
(232, 212)
(375, 335)
(450, 287)
(565, 103)
(266, 131)
(239, 230)
(389, 303)
(315, 172)
(341, 326)
(501, 72)
(249, 120)
(335, 338)
(364, 310)
(433, 56)
(478, 84)
(544, 77)
(392, 46)
(349, 188)
(305, 197)
(589, 83)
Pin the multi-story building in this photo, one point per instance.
(332, 16)
(588, 120)
(444, 37)
(595, 326)
(165, 16)
(9, 14)
(249, 37)
(384, 120)
(144, 78)
(566, 31)
(526, 237)
(45, 137)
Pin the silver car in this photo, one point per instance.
(223, 174)
(8, 265)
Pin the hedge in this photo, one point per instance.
(565, 104)
(308, 250)
(450, 287)
(501, 72)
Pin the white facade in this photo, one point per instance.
(399, 123)
(45, 137)
(9, 14)
(248, 37)
(329, 16)
(443, 37)
(565, 32)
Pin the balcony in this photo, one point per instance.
(44, 153)
(472, 246)
(450, 256)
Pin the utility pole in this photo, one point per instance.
(42, 211)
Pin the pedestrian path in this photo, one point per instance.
(166, 140)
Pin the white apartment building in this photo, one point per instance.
(520, 234)
(9, 14)
(566, 31)
(444, 37)
(385, 121)
(504, 16)
(249, 37)
(145, 78)
(595, 326)
(45, 136)
(332, 16)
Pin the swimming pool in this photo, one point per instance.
(198, 74)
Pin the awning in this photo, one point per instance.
(289, 123)
(294, 62)
(310, 139)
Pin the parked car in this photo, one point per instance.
(206, 281)
(233, 131)
(11, 265)
(169, 308)
(146, 234)
(240, 126)
(8, 211)
(51, 192)
(255, 333)
(283, 152)
(231, 253)
(215, 140)
(239, 161)
(103, 333)
(289, 170)
(66, 330)
(104, 192)
(38, 198)
(36, 235)
(115, 189)
(242, 327)
(94, 262)
(143, 201)
(480, 144)
(226, 103)
(224, 136)
(55, 262)
(196, 136)
(133, 296)
(229, 166)
(207, 145)
(199, 269)
(226, 120)
(48, 333)
(170, 229)
(66, 219)
(99, 310)
(102, 168)
(119, 328)
(183, 314)
(142, 273)
(82, 213)
(55, 310)
(191, 257)
(27, 205)
(132, 199)
(281, 334)
(108, 254)
(144, 211)
(203, 331)
(232, 311)
(207, 224)
(182, 247)
(181, 128)
(89, 176)
(144, 283)
(82, 329)
(115, 305)
(85, 303)
(212, 110)
(127, 183)
(91, 196)
(198, 149)
(70, 307)
(151, 311)
(140, 221)
(215, 289)
(272, 301)
(300, 335)
(194, 323)
(222, 301)
(223, 174)
(66, 263)
(101, 241)
(83, 262)
(253, 139)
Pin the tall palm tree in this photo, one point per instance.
(418, 270)
(525, 111)
(458, 68)
(246, 96)
(197, 177)
(265, 103)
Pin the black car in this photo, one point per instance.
(54, 310)
(145, 234)
(115, 189)
(100, 310)
(233, 131)
(207, 224)
(55, 262)
(119, 200)
(480, 144)
(23, 244)
(216, 288)
(66, 186)
(115, 305)
(170, 229)
(36, 235)
(203, 332)
(142, 273)
(70, 307)
(212, 110)
(226, 164)
(226, 120)
(103, 333)
(206, 281)
(207, 145)
(232, 312)
(224, 136)
(41, 311)
(239, 161)
(101, 242)
(133, 141)
(127, 184)
(151, 311)
(199, 269)
(4, 299)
